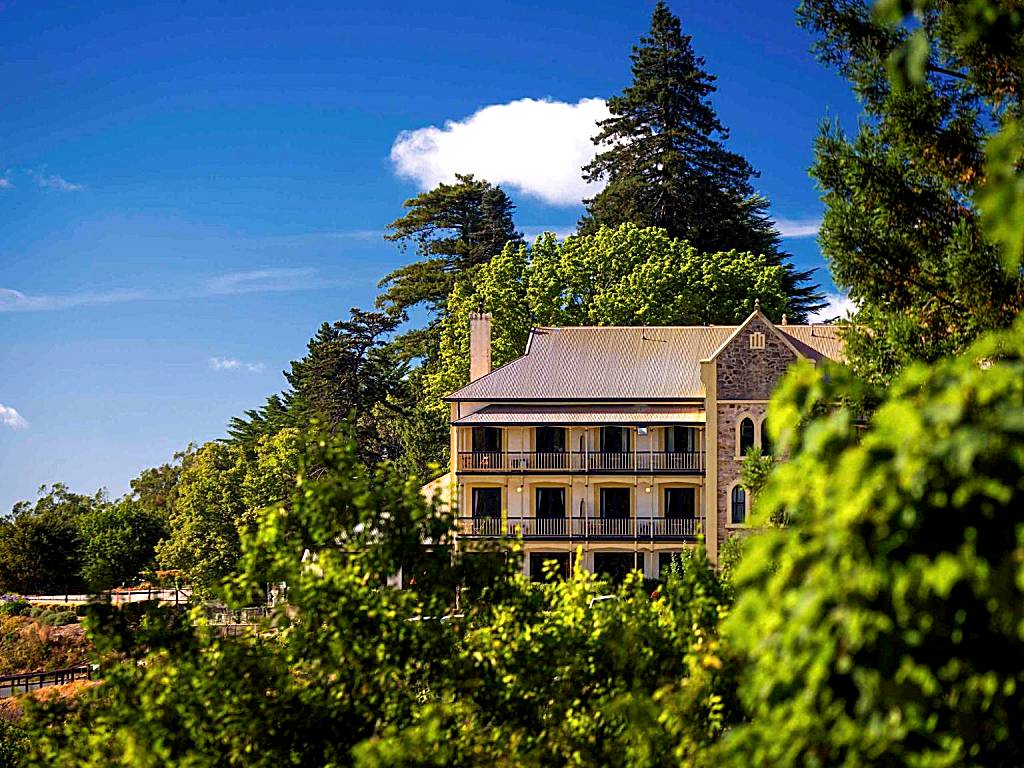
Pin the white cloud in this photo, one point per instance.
(231, 364)
(534, 146)
(232, 283)
(837, 305)
(560, 232)
(5, 183)
(794, 228)
(16, 301)
(53, 181)
(11, 418)
(260, 280)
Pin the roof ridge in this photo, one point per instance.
(623, 327)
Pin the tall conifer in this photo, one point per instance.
(664, 159)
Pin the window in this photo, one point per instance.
(614, 440)
(766, 442)
(550, 565)
(680, 503)
(615, 503)
(757, 340)
(550, 503)
(487, 502)
(550, 440)
(739, 505)
(486, 440)
(746, 435)
(615, 565)
(680, 440)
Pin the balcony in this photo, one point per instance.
(687, 463)
(659, 528)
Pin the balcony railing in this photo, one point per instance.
(580, 527)
(688, 462)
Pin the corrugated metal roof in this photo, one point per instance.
(823, 339)
(641, 363)
(502, 414)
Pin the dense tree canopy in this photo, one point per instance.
(623, 276)
(662, 153)
(902, 229)
(219, 495)
(455, 227)
(118, 542)
(357, 672)
(350, 377)
(39, 542)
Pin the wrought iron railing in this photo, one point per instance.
(581, 527)
(581, 461)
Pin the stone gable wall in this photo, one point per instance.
(751, 374)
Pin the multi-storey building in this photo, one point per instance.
(622, 442)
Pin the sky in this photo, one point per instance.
(189, 189)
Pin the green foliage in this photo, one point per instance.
(219, 493)
(350, 378)
(117, 541)
(663, 156)
(155, 488)
(455, 227)
(39, 543)
(755, 469)
(984, 41)
(350, 670)
(884, 626)
(621, 276)
(14, 745)
(16, 607)
(914, 211)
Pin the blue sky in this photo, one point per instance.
(188, 189)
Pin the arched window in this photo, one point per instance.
(739, 505)
(766, 442)
(746, 435)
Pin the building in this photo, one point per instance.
(623, 441)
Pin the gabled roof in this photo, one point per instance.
(755, 315)
(642, 363)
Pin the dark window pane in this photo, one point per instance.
(615, 565)
(766, 443)
(739, 505)
(550, 440)
(562, 565)
(746, 435)
(487, 502)
(615, 503)
(486, 439)
(614, 440)
(680, 439)
(550, 502)
(680, 503)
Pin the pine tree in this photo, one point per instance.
(455, 227)
(904, 229)
(666, 165)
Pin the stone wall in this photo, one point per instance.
(743, 374)
(751, 374)
(729, 415)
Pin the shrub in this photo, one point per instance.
(18, 607)
(13, 745)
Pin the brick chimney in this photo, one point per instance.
(479, 345)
